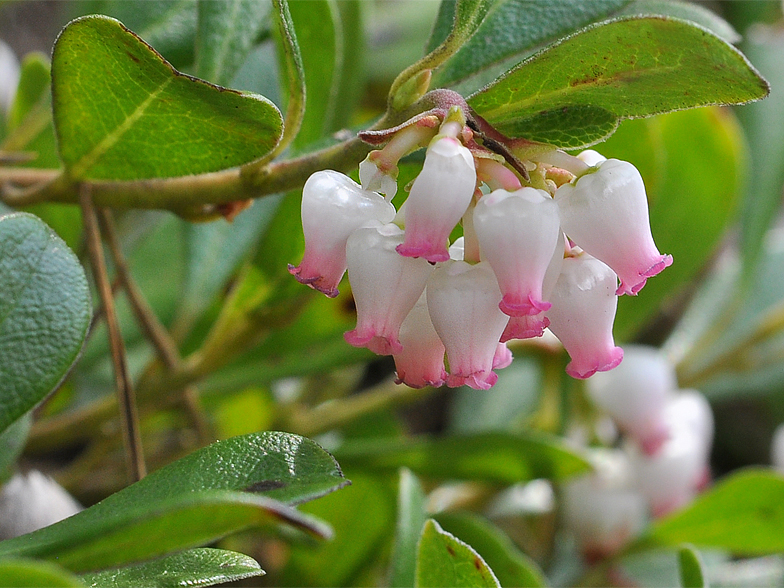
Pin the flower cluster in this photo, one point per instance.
(542, 251)
(661, 464)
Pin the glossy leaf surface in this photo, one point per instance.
(146, 120)
(45, 311)
(443, 561)
(195, 567)
(575, 92)
(228, 486)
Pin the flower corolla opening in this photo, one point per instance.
(333, 207)
(606, 214)
(385, 286)
(439, 196)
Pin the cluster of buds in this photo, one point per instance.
(541, 250)
(662, 463)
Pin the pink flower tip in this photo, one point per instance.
(433, 254)
(401, 378)
(664, 262)
(317, 282)
(528, 307)
(585, 369)
(478, 380)
(526, 327)
(378, 344)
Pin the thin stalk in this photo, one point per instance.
(124, 387)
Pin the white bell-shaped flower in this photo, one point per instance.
(606, 214)
(333, 206)
(671, 477)
(636, 393)
(528, 327)
(385, 286)
(439, 196)
(463, 301)
(602, 509)
(518, 233)
(421, 362)
(582, 315)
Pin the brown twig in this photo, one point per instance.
(125, 393)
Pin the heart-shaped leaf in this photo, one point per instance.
(123, 113)
(195, 567)
(45, 311)
(228, 486)
(575, 92)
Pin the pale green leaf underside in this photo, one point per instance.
(45, 311)
(123, 113)
(575, 92)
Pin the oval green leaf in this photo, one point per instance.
(506, 458)
(123, 113)
(743, 514)
(228, 486)
(195, 567)
(575, 92)
(45, 312)
(445, 561)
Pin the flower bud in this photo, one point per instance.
(518, 233)
(439, 196)
(463, 301)
(582, 315)
(333, 206)
(606, 214)
(385, 286)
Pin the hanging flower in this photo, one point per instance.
(421, 362)
(606, 214)
(439, 196)
(582, 315)
(518, 233)
(333, 206)
(463, 301)
(385, 286)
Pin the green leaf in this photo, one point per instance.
(445, 561)
(510, 565)
(410, 521)
(743, 514)
(21, 573)
(30, 127)
(684, 11)
(362, 516)
(691, 568)
(228, 486)
(699, 153)
(195, 567)
(575, 92)
(352, 80)
(512, 28)
(146, 120)
(227, 31)
(496, 457)
(213, 252)
(12, 443)
(293, 69)
(765, 137)
(45, 312)
(318, 27)
(167, 25)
